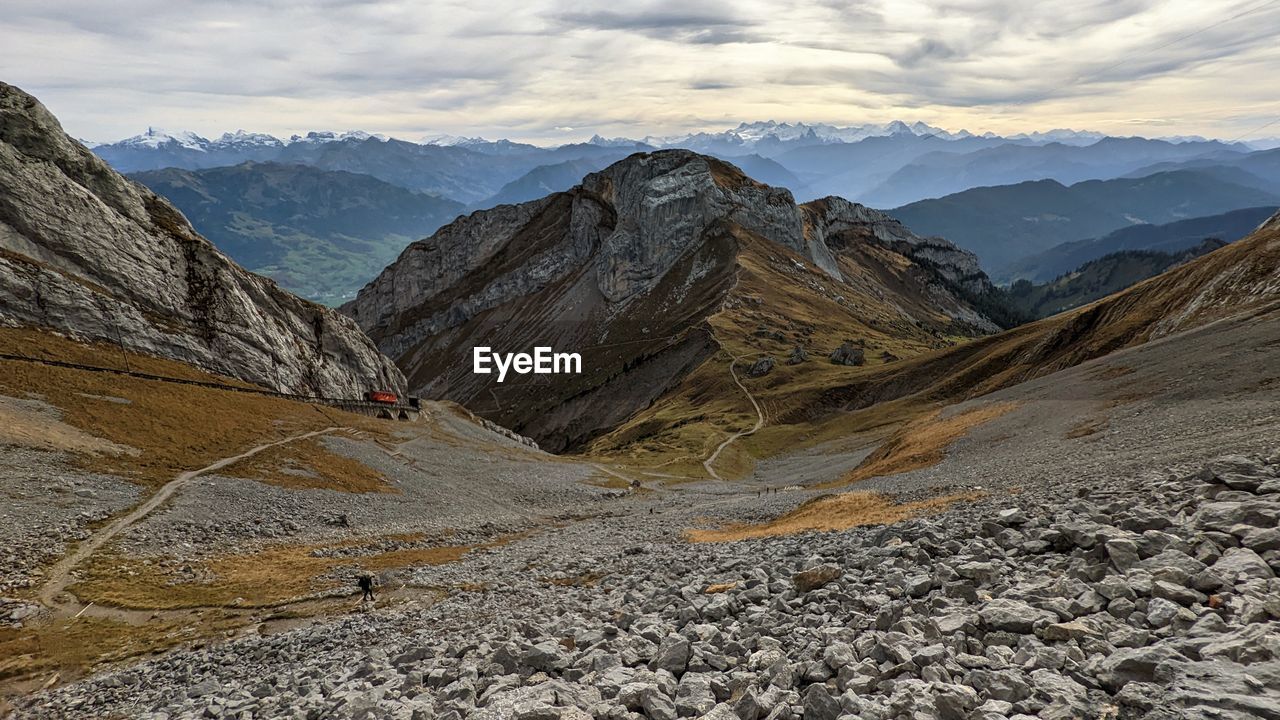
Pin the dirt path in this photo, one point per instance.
(708, 463)
(59, 574)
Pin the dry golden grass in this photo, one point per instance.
(801, 399)
(308, 464)
(923, 442)
(21, 424)
(269, 577)
(173, 427)
(1128, 398)
(829, 513)
(686, 424)
(1085, 428)
(68, 647)
(1111, 372)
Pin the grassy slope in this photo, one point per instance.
(815, 402)
(155, 421)
(319, 233)
(1099, 278)
(1003, 224)
(774, 294)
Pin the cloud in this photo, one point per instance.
(528, 69)
(708, 24)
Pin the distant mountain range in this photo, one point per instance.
(1101, 277)
(322, 234)
(940, 173)
(1008, 199)
(1008, 223)
(1168, 238)
(883, 164)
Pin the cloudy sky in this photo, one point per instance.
(557, 71)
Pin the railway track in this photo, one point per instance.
(354, 404)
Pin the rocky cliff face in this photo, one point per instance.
(87, 253)
(627, 269)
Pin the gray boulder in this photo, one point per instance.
(761, 367)
(847, 354)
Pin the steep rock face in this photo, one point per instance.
(838, 224)
(85, 252)
(1240, 279)
(626, 269)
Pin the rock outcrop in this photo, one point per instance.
(626, 269)
(847, 354)
(90, 254)
(1012, 606)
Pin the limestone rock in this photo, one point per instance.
(92, 255)
(761, 367)
(847, 354)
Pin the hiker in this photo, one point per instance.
(366, 586)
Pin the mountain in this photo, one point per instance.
(1238, 280)
(853, 169)
(769, 137)
(480, 145)
(949, 171)
(1259, 169)
(1167, 238)
(156, 149)
(546, 179)
(87, 253)
(650, 270)
(461, 172)
(321, 234)
(879, 164)
(1007, 223)
(1099, 278)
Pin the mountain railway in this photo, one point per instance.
(375, 403)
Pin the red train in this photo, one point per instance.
(381, 396)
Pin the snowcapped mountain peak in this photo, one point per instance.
(749, 135)
(602, 141)
(1061, 135)
(330, 136)
(155, 137)
(451, 140)
(240, 138)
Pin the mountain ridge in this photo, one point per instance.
(630, 266)
(115, 263)
(1006, 223)
(1169, 237)
(319, 233)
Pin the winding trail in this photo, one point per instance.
(708, 463)
(59, 575)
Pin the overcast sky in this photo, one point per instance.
(555, 71)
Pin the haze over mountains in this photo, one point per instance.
(883, 165)
(1005, 224)
(1006, 198)
(318, 233)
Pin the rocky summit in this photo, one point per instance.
(646, 269)
(90, 254)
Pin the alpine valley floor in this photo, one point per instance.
(1101, 542)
